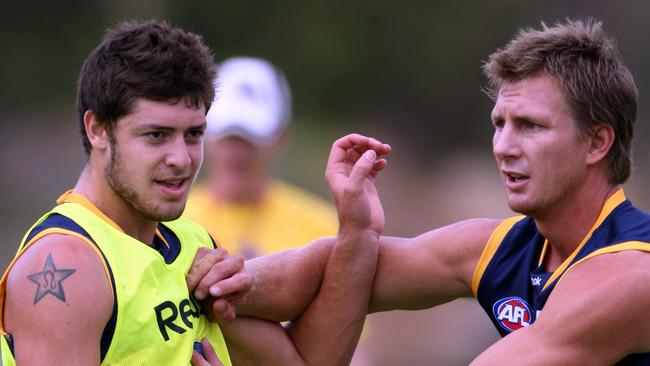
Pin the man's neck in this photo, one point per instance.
(98, 192)
(566, 226)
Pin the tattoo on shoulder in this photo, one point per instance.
(50, 280)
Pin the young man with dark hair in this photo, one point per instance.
(101, 278)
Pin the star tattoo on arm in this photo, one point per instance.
(50, 280)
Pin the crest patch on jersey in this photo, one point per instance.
(512, 313)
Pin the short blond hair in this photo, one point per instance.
(588, 67)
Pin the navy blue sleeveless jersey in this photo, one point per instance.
(510, 281)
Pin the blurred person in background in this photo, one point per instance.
(240, 200)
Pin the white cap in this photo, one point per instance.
(252, 101)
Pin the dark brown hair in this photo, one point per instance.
(589, 69)
(150, 60)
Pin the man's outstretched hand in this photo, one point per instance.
(354, 162)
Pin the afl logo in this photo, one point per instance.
(512, 313)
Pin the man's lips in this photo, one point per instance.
(514, 179)
(174, 187)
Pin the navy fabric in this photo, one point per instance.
(170, 251)
(512, 291)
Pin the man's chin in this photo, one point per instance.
(168, 214)
(169, 217)
(520, 206)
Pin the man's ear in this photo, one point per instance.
(95, 131)
(601, 139)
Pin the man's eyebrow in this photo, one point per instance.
(518, 116)
(165, 127)
(528, 116)
(153, 126)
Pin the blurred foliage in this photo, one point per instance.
(413, 64)
(408, 72)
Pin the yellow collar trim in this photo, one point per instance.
(612, 202)
(71, 196)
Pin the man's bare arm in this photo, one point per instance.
(58, 302)
(284, 283)
(430, 269)
(412, 273)
(254, 341)
(327, 330)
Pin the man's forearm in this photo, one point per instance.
(286, 282)
(329, 329)
(327, 285)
